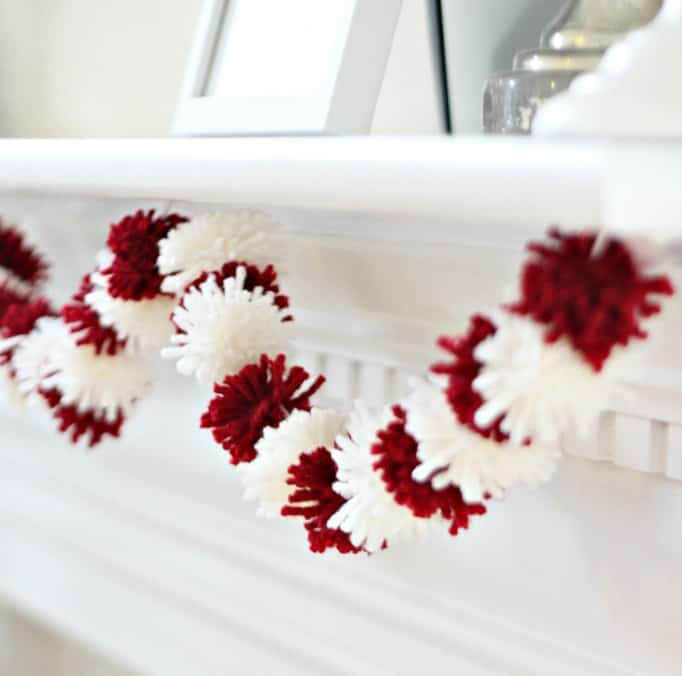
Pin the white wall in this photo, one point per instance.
(92, 67)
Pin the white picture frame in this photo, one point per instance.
(286, 67)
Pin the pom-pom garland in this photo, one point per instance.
(490, 417)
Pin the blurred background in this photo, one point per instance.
(95, 68)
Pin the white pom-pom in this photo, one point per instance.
(145, 324)
(100, 382)
(265, 478)
(32, 359)
(207, 242)
(370, 515)
(541, 389)
(224, 328)
(451, 454)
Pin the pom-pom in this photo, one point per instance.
(107, 384)
(265, 479)
(369, 514)
(26, 267)
(461, 373)
(10, 297)
(593, 298)
(259, 396)
(452, 455)
(223, 327)
(541, 390)
(142, 324)
(255, 277)
(19, 320)
(207, 242)
(315, 500)
(81, 423)
(134, 242)
(84, 322)
(32, 357)
(396, 451)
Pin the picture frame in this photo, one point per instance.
(286, 67)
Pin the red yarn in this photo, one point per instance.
(596, 301)
(462, 372)
(397, 451)
(259, 396)
(316, 501)
(134, 241)
(84, 321)
(20, 318)
(265, 278)
(81, 423)
(9, 297)
(20, 258)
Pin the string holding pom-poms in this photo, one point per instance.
(259, 396)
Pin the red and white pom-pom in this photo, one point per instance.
(539, 390)
(591, 292)
(396, 459)
(265, 479)
(107, 384)
(259, 396)
(450, 454)
(315, 500)
(22, 269)
(32, 356)
(222, 327)
(207, 242)
(126, 289)
(370, 515)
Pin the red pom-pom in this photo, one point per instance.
(397, 452)
(19, 320)
(316, 501)
(21, 259)
(9, 297)
(259, 396)
(462, 372)
(84, 321)
(265, 278)
(594, 299)
(134, 241)
(81, 423)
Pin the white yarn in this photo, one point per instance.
(279, 448)
(32, 359)
(225, 328)
(370, 515)
(451, 454)
(145, 324)
(104, 383)
(542, 389)
(207, 242)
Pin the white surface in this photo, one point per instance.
(634, 92)
(267, 67)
